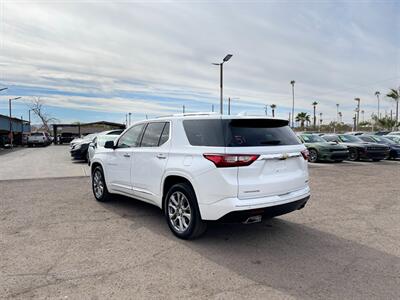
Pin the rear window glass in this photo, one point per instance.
(256, 133)
(204, 132)
(239, 133)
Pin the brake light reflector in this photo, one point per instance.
(305, 154)
(231, 160)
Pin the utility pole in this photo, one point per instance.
(10, 122)
(212, 107)
(130, 118)
(229, 105)
(292, 83)
(183, 108)
(266, 110)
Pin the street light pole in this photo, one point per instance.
(130, 118)
(358, 111)
(10, 123)
(292, 83)
(221, 85)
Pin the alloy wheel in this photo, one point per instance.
(179, 212)
(98, 184)
(313, 155)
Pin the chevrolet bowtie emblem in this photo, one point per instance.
(284, 156)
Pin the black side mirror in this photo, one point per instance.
(109, 145)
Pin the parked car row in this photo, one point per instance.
(84, 148)
(339, 147)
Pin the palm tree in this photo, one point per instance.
(377, 94)
(314, 104)
(302, 117)
(273, 106)
(395, 95)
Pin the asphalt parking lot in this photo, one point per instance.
(59, 243)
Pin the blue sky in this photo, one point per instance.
(96, 60)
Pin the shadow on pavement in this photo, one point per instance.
(296, 259)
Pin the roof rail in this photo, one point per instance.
(190, 114)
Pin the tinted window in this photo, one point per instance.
(259, 132)
(312, 138)
(330, 138)
(346, 138)
(165, 134)
(152, 134)
(367, 139)
(204, 132)
(239, 133)
(131, 138)
(37, 134)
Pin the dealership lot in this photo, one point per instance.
(58, 242)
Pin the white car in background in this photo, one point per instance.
(394, 133)
(98, 143)
(200, 167)
(39, 138)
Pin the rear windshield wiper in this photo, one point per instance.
(273, 142)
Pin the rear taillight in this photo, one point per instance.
(231, 160)
(305, 154)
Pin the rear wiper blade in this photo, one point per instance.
(274, 142)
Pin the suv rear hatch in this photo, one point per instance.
(280, 167)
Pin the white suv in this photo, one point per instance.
(206, 167)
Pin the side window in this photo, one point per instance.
(131, 138)
(165, 134)
(152, 134)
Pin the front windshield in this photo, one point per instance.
(90, 136)
(394, 139)
(383, 140)
(312, 138)
(346, 138)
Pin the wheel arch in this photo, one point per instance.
(172, 179)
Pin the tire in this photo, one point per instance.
(182, 213)
(353, 154)
(313, 155)
(99, 186)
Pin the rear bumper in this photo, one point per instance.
(78, 154)
(374, 155)
(336, 155)
(272, 205)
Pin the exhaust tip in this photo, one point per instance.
(253, 219)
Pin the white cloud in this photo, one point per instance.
(335, 52)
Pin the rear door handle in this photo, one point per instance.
(127, 155)
(161, 156)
